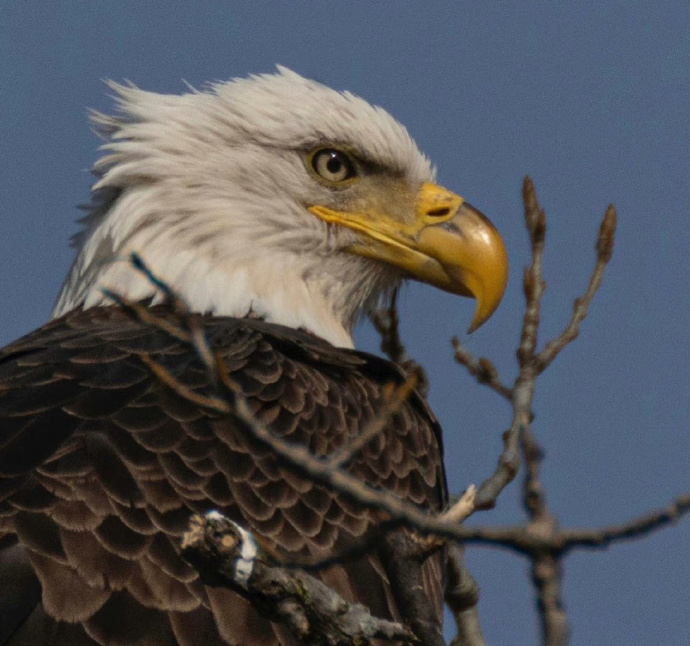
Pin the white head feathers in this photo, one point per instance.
(210, 189)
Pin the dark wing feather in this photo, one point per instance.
(101, 466)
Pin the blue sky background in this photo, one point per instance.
(592, 102)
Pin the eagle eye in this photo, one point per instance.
(335, 166)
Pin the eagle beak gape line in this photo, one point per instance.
(447, 243)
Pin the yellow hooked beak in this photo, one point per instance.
(447, 243)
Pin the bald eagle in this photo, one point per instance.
(280, 210)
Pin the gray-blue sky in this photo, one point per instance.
(592, 102)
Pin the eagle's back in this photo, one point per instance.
(101, 467)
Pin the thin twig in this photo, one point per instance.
(641, 526)
(213, 404)
(506, 469)
(525, 541)
(523, 389)
(481, 369)
(463, 507)
(170, 296)
(144, 314)
(533, 281)
(387, 324)
(545, 567)
(604, 248)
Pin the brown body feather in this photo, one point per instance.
(101, 466)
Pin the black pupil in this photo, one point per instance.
(334, 164)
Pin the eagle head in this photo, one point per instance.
(276, 197)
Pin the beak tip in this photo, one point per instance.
(484, 270)
(477, 321)
(488, 299)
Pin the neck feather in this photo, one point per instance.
(280, 276)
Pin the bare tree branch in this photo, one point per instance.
(145, 315)
(227, 555)
(541, 539)
(533, 281)
(522, 393)
(545, 569)
(636, 528)
(604, 248)
(407, 535)
(506, 469)
(547, 577)
(523, 540)
(402, 552)
(462, 597)
(234, 405)
(387, 324)
(481, 369)
(545, 545)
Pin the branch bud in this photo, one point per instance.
(607, 233)
(535, 218)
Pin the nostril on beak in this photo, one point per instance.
(439, 213)
(434, 201)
